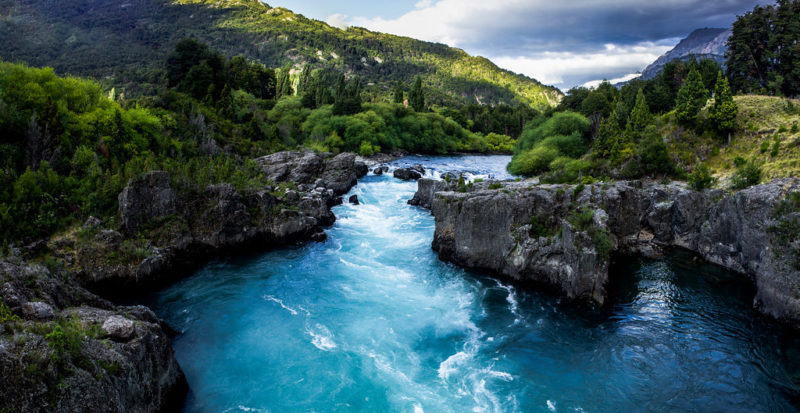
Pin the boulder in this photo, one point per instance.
(39, 311)
(407, 174)
(381, 170)
(353, 199)
(119, 328)
(361, 169)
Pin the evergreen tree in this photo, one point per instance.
(417, 96)
(398, 93)
(239, 73)
(692, 97)
(640, 115)
(763, 52)
(262, 81)
(322, 95)
(339, 90)
(187, 53)
(284, 83)
(348, 97)
(225, 103)
(608, 135)
(653, 153)
(724, 111)
(198, 81)
(596, 102)
(304, 84)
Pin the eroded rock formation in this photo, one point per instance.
(562, 235)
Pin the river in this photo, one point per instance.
(371, 321)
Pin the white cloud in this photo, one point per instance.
(337, 20)
(595, 83)
(567, 42)
(566, 69)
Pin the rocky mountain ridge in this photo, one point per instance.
(707, 43)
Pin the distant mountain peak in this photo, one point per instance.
(706, 43)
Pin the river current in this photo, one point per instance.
(371, 321)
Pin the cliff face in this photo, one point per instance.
(562, 236)
(182, 230)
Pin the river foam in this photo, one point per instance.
(370, 320)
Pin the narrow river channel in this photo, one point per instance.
(372, 321)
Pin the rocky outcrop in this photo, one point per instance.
(338, 173)
(562, 236)
(64, 349)
(406, 174)
(145, 198)
(426, 188)
(181, 232)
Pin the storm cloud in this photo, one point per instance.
(566, 42)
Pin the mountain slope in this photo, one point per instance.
(123, 43)
(700, 44)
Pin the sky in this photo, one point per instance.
(564, 43)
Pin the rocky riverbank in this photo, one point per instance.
(64, 348)
(563, 236)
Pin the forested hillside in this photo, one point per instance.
(123, 44)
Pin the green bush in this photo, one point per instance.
(571, 146)
(776, 148)
(66, 340)
(602, 243)
(495, 185)
(701, 178)
(6, 316)
(747, 174)
(581, 219)
(541, 227)
(561, 123)
(653, 154)
(533, 161)
(764, 146)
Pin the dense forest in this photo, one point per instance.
(67, 148)
(123, 44)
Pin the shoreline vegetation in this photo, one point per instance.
(103, 194)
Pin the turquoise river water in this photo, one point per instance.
(372, 321)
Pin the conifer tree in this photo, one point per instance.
(225, 104)
(398, 93)
(724, 111)
(640, 115)
(304, 84)
(284, 83)
(417, 96)
(692, 97)
(608, 135)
